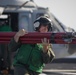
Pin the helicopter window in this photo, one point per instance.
(55, 29)
(60, 24)
(23, 23)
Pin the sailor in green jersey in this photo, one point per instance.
(31, 58)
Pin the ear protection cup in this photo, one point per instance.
(36, 24)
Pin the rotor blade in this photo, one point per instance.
(35, 37)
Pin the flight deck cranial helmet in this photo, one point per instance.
(42, 21)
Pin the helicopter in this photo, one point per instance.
(20, 14)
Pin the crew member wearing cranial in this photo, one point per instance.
(30, 59)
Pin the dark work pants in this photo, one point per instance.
(22, 70)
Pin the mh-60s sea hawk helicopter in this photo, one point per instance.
(20, 14)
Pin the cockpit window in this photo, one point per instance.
(55, 29)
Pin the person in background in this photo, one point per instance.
(4, 53)
(30, 59)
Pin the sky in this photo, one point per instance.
(64, 10)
